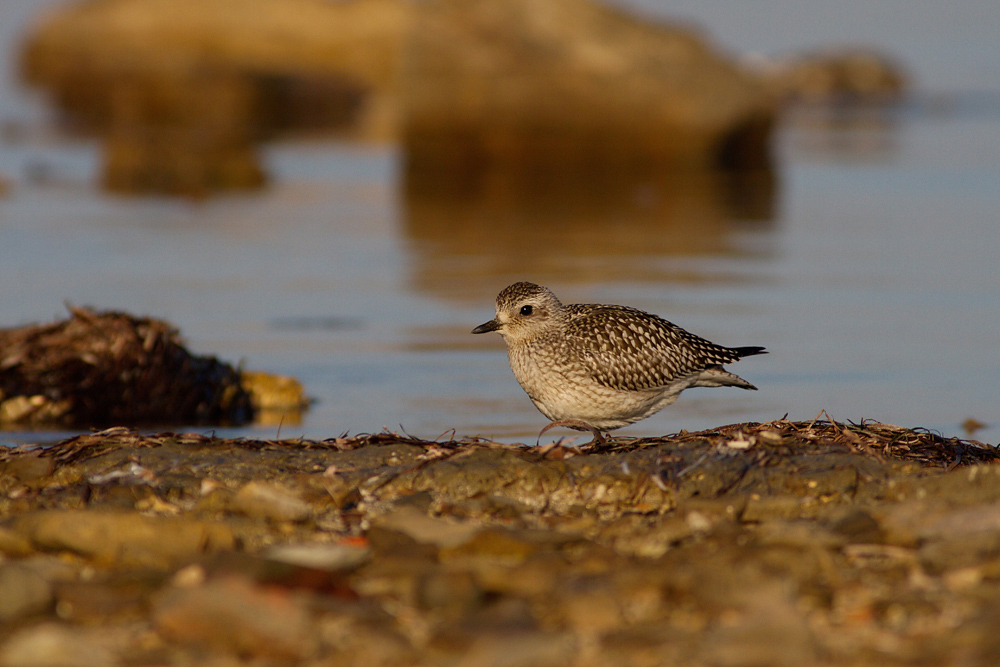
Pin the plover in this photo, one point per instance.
(600, 367)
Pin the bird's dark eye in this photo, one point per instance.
(526, 310)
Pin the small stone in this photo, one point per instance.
(962, 579)
(189, 577)
(54, 569)
(427, 529)
(22, 592)
(798, 534)
(772, 632)
(278, 400)
(859, 526)
(124, 538)
(520, 649)
(594, 612)
(12, 544)
(17, 409)
(207, 486)
(331, 557)
(232, 615)
(449, 590)
(271, 501)
(759, 508)
(95, 602)
(698, 522)
(493, 544)
(52, 645)
(28, 468)
(273, 392)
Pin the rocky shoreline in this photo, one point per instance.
(785, 543)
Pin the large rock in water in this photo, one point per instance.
(573, 84)
(307, 63)
(184, 89)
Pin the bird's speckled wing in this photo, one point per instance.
(629, 349)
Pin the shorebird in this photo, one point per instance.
(595, 367)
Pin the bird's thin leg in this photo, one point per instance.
(577, 424)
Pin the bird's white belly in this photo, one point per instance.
(602, 408)
(566, 393)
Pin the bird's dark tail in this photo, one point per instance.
(748, 351)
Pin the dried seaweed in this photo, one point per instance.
(770, 439)
(103, 368)
(869, 437)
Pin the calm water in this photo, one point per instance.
(868, 269)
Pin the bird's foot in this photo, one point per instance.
(577, 424)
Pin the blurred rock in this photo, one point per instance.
(771, 633)
(262, 500)
(518, 649)
(859, 526)
(183, 90)
(121, 538)
(185, 135)
(105, 602)
(840, 76)
(762, 508)
(22, 593)
(367, 644)
(52, 568)
(13, 544)
(52, 645)
(455, 592)
(27, 468)
(34, 409)
(278, 400)
(300, 64)
(495, 545)
(321, 556)
(571, 85)
(427, 529)
(231, 615)
(948, 538)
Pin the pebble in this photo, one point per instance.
(332, 557)
(55, 645)
(123, 538)
(22, 592)
(270, 501)
(233, 615)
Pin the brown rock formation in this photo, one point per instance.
(183, 89)
(574, 85)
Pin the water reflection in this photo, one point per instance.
(472, 233)
(864, 133)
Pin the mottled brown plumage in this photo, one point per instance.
(606, 366)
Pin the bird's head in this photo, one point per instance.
(524, 310)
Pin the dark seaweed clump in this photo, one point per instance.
(104, 368)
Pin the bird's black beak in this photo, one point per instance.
(492, 325)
